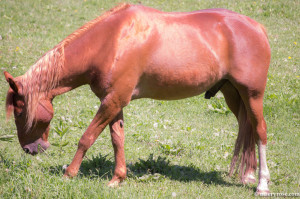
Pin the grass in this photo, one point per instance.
(173, 148)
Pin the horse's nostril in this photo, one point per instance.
(26, 150)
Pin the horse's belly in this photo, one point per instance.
(168, 93)
(174, 84)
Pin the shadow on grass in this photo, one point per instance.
(150, 169)
(161, 166)
(97, 166)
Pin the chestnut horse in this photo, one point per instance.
(133, 52)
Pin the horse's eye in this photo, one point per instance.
(18, 114)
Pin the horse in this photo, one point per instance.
(132, 52)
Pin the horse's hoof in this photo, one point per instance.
(250, 179)
(69, 175)
(113, 183)
(66, 176)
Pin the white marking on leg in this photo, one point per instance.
(264, 174)
(249, 177)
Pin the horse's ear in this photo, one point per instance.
(13, 85)
(9, 103)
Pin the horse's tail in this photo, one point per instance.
(244, 157)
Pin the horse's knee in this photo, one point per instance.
(84, 143)
(117, 133)
(117, 137)
(262, 131)
(255, 110)
(117, 129)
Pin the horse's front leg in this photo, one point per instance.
(117, 137)
(106, 113)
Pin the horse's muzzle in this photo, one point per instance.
(37, 147)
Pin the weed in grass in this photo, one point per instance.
(151, 165)
(151, 177)
(61, 130)
(169, 148)
(217, 105)
(7, 138)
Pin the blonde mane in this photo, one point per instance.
(45, 74)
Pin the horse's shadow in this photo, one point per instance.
(102, 166)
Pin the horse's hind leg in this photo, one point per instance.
(252, 97)
(245, 140)
(117, 137)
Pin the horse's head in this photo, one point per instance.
(33, 137)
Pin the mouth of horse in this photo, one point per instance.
(36, 147)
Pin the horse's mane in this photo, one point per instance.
(91, 23)
(44, 75)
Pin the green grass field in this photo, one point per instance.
(178, 149)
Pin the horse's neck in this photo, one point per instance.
(86, 57)
(68, 81)
(75, 71)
